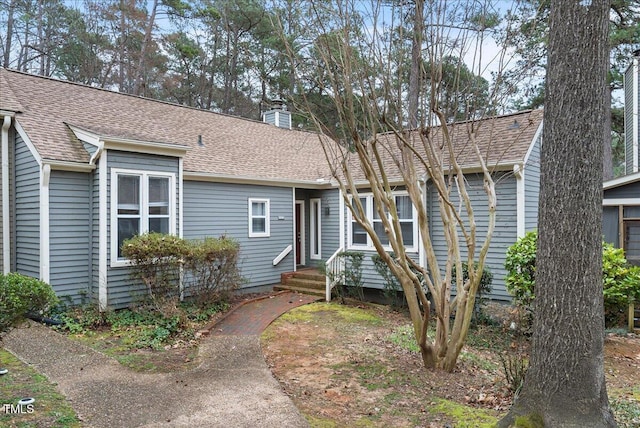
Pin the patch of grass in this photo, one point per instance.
(489, 337)
(50, 408)
(315, 422)
(626, 411)
(349, 314)
(464, 416)
(404, 337)
(479, 362)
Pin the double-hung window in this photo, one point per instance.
(141, 202)
(358, 238)
(259, 218)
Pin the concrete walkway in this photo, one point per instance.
(232, 387)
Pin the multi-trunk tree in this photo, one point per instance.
(385, 140)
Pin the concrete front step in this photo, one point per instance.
(311, 291)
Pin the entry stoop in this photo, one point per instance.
(307, 281)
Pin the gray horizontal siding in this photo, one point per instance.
(504, 234)
(629, 98)
(330, 222)
(122, 290)
(27, 211)
(70, 234)
(628, 191)
(214, 209)
(532, 187)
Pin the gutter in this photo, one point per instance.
(6, 217)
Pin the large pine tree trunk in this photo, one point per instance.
(565, 384)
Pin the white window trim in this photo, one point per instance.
(267, 210)
(315, 223)
(144, 203)
(369, 208)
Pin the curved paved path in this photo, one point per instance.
(232, 387)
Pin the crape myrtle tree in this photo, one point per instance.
(565, 384)
(364, 57)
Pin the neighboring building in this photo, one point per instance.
(621, 196)
(85, 168)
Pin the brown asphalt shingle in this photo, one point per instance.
(231, 146)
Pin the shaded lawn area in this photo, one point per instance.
(352, 366)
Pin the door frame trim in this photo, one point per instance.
(303, 226)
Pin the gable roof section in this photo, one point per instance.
(503, 141)
(219, 145)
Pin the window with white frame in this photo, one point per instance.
(141, 202)
(259, 218)
(407, 218)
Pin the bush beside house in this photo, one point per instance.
(621, 281)
(21, 295)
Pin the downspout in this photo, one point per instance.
(99, 160)
(518, 172)
(44, 223)
(6, 215)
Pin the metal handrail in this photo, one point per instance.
(335, 267)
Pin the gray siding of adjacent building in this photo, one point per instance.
(70, 234)
(27, 211)
(504, 234)
(215, 209)
(122, 290)
(532, 186)
(628, 191)
(610, 225)
(630, 99)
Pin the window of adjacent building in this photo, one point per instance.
(143, 203)
(406, 216)
(259, 218)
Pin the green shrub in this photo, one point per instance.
(208, 268)
(350, 281)
(521, 269)
(20, 295)
(156, 260)
(484, 288)
(621, 281)
(392, 289)
(212, 265)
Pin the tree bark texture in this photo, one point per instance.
(565, 383)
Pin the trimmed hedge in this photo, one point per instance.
(21, 295)
(208, 268)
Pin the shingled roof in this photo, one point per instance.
(218, 144)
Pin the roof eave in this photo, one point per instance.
(240, 179)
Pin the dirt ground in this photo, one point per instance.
(347, 367)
